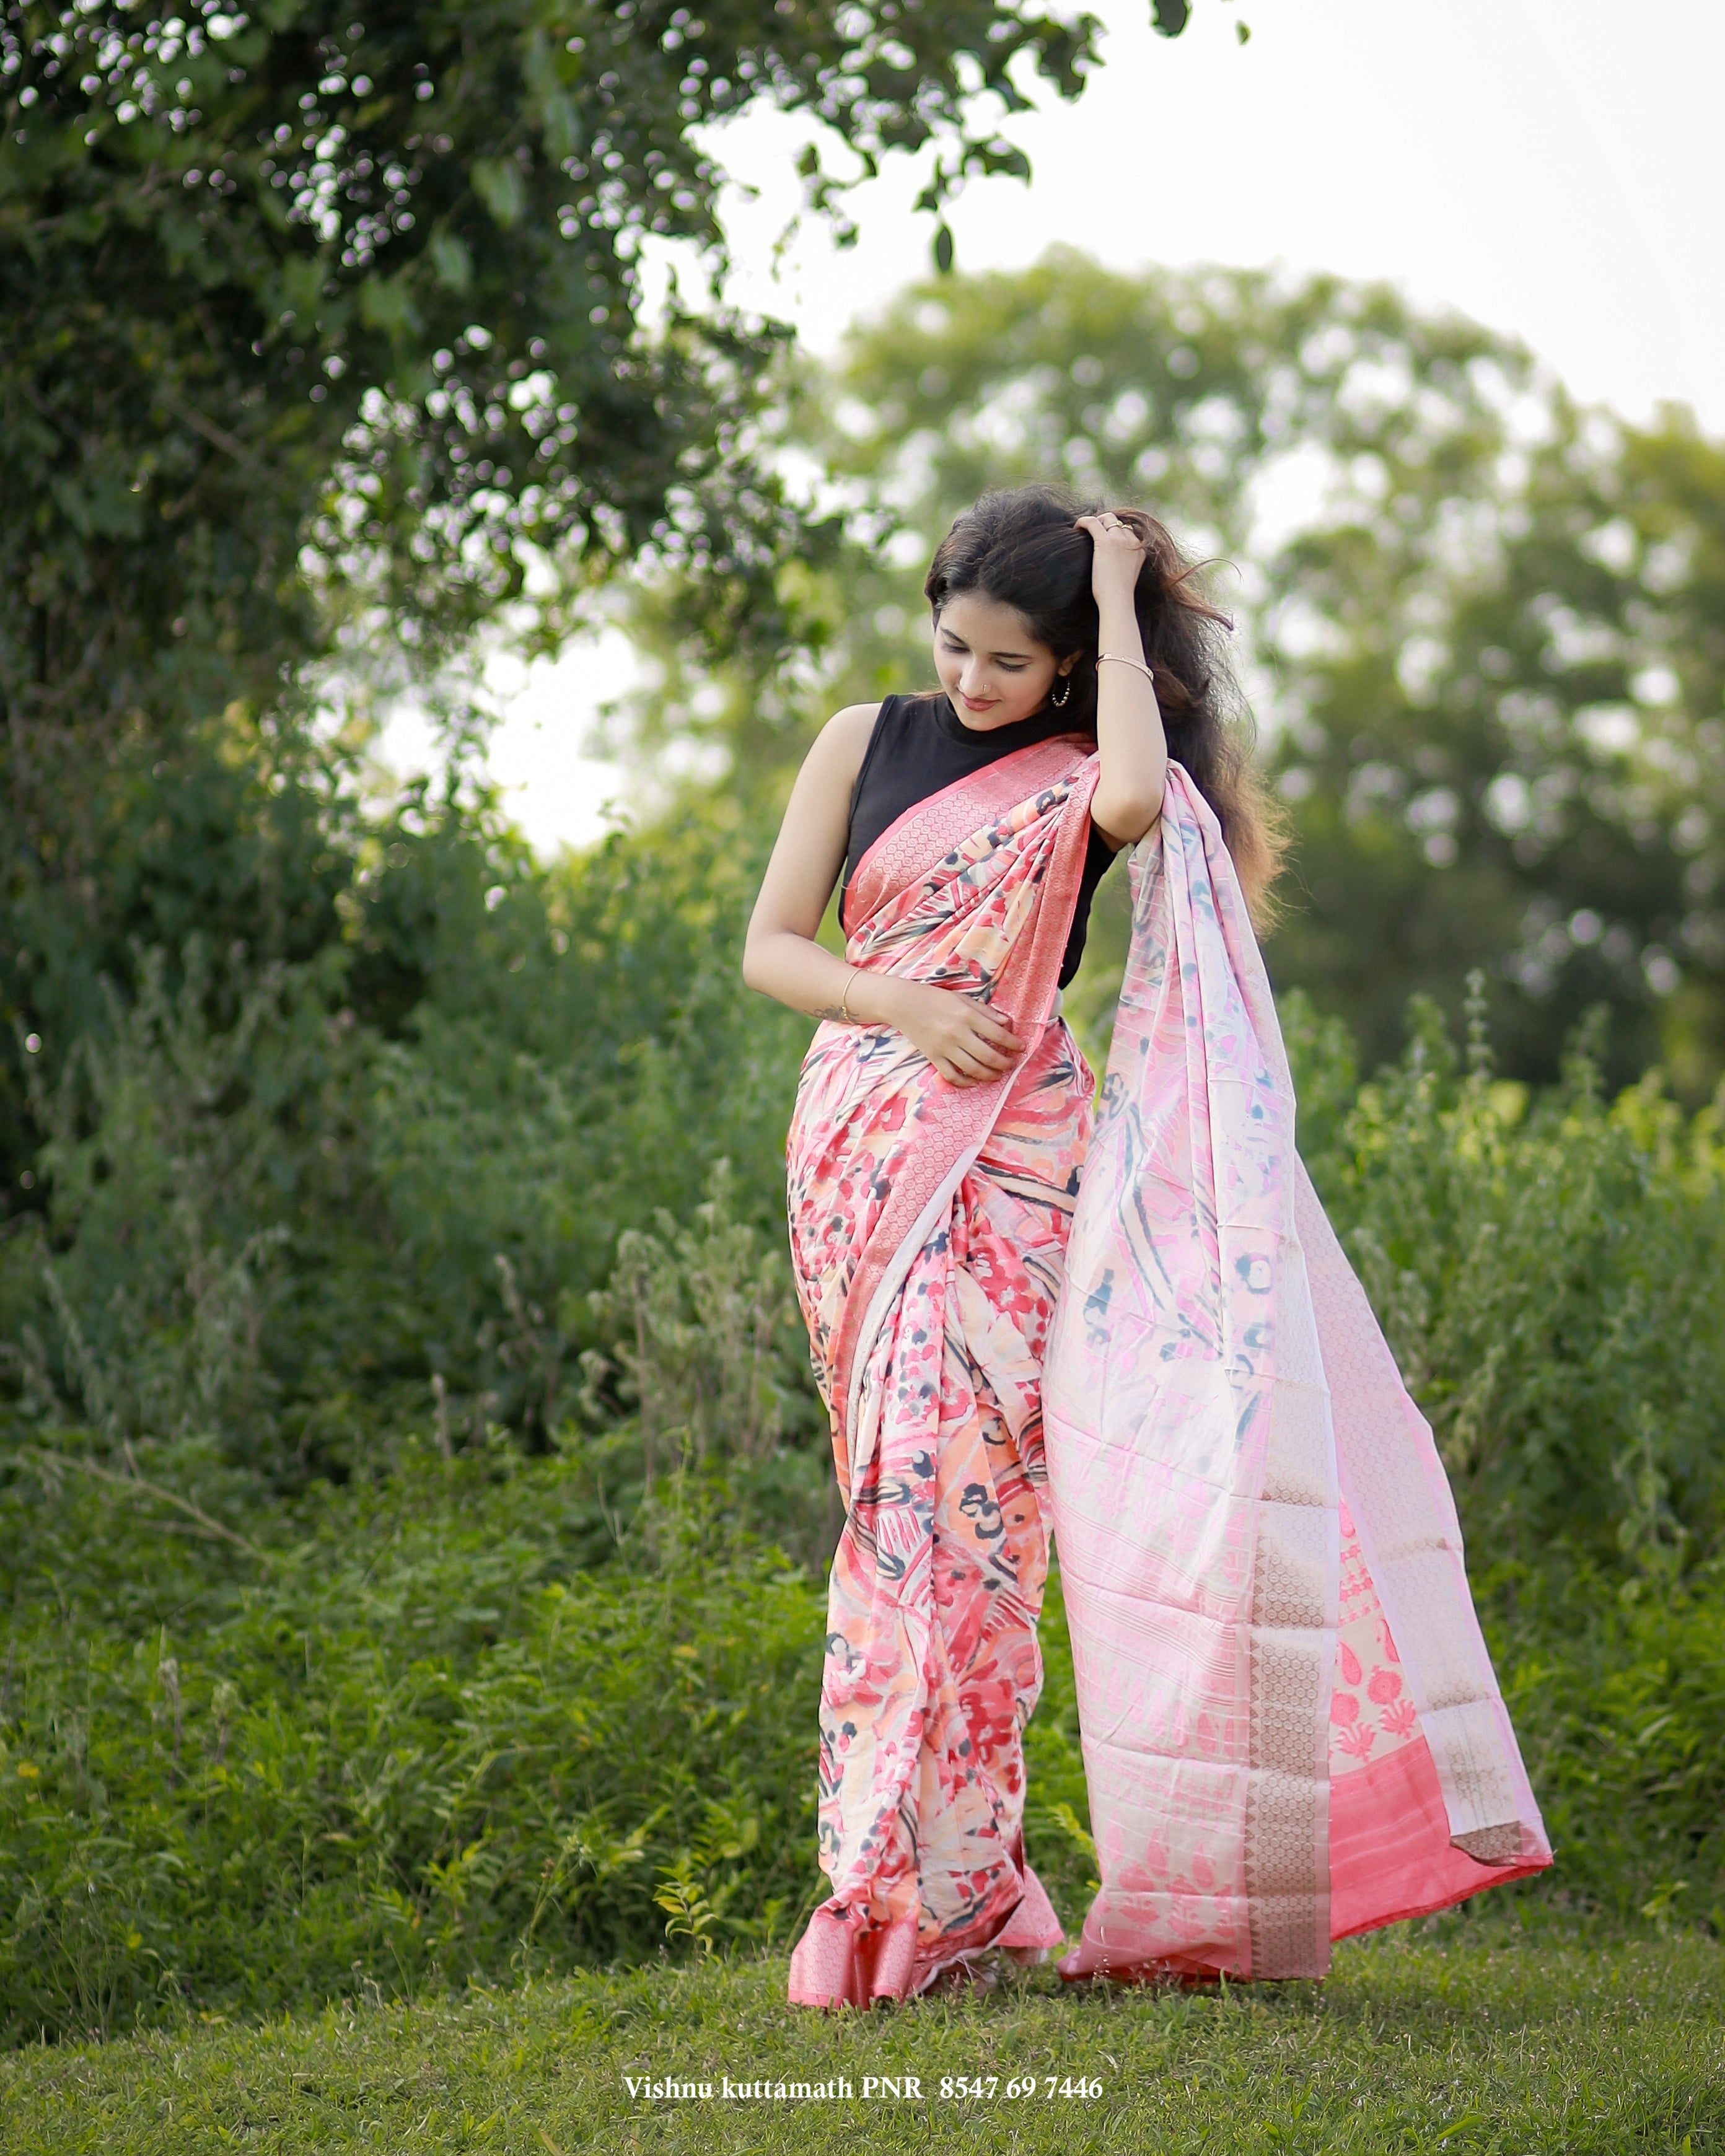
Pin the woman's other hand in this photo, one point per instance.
(1133, 748)
(1116, 557)
(961, 1037)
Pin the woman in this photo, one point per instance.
(941, 1127)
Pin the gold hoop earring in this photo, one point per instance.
(1059, 703)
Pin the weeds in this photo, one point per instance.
(487, 1711)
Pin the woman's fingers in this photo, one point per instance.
(1113, 529)
(997, 1030)
(1119, 550)
(978, 1060)
(965, 1057)
(965, 1041)
(988, 1048)
(973, 1041)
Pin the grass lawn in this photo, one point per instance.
(1469, 2035)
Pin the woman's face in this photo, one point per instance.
(989, 663)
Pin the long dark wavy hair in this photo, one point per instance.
(1022, 548)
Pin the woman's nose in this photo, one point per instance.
(974, 680)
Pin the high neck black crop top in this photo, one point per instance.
(920, 745)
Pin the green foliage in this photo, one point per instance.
(481, 1714)
(397, 1736)
(579, 1095)
(1480, 621)
(400, 1376)
(402, 1166)
(242, 835)
(374, 283)
(1186, 389)
(700, 1319)
(402, 1734)
(1471, 2037)
(1187, 383)
(173, 1196)
(448, 1193)
(1507, 738)
(411, 1483)
(1057, 1796)
(1614, 1686)
(1550, 1271)
(324, 343)
(1482, 616)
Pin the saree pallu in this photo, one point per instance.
(928, 1226)
(1291, 1730)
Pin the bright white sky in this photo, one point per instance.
(1554, 168)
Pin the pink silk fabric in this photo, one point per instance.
(1291, 1729)
(928, 1224)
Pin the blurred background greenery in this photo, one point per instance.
(413, 1496)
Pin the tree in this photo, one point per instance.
(371, 276)
(320, 335)
(1482, 624)
(1509, 752)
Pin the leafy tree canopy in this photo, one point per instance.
(371, 276)
(1482, 623)
(320, 334)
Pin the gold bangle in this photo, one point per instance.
(1120, 659)
(845, 1000)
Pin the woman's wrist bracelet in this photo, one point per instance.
(1119, 659)
(845, 1000)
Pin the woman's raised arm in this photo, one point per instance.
(1129, 732)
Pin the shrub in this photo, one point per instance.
(402, 1738)
(1550, 1271)
(259, 1213)
(497, 1705)
(1617, 1690)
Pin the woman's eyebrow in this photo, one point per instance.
(955, 637)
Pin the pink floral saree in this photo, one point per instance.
(1291, 1730)
(1291, 1726)
(928, 1225)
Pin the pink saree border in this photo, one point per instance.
(1024, 995)
(1198, 1491)
(916, 843)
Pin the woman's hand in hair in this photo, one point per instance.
(1116, 558)
(1132, 746)
(961, 1037)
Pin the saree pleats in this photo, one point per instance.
(1291, 1726)
(928, 1227)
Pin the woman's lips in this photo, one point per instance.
(977, 703)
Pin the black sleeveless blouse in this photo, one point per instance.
(921, 746)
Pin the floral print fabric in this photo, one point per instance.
(928, 1227)
(1291, 1728)
(1372, 1712)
